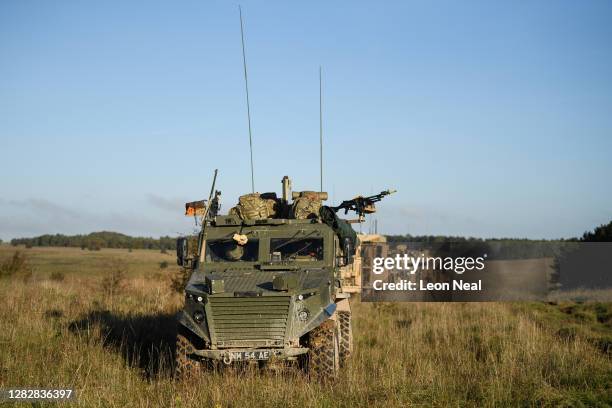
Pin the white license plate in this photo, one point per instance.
(251, 355)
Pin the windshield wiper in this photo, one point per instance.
(299, 250)
(293, 239)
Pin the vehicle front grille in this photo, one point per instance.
(249, 321)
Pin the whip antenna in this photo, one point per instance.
(246, 87)
(321, 125)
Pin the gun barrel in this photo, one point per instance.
(362, 205)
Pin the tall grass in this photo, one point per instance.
(68, 334)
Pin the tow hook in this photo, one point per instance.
(227, 359)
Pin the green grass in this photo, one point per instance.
(589, 321)
(117, 351)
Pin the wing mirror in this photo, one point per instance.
(182, 252)
(348, 250)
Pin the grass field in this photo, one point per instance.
(61, 326)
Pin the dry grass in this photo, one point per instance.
(115, 354)
(80, 263)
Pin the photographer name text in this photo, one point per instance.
(422, 285)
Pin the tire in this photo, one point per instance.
(346, 336)
(324, 352)
(185, 365)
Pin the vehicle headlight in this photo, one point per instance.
(198, 316)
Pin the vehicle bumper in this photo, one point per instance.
(244, 354)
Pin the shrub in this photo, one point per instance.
(115, 281)
(163, 264)
(16, 265)
(57, 276)
(54, 314)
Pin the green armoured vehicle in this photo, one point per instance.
(265, 282)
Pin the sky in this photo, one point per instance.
(491, 119)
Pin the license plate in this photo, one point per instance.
(251, 355)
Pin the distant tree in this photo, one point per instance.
(603, 233)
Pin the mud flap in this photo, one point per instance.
(328, 312)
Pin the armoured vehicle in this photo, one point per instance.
(266, 282)
(360, 270)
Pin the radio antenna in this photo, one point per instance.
(246, 87)
(321, 124)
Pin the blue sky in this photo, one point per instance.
(490, 119)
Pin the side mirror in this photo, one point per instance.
(348, 250)
(182, 248)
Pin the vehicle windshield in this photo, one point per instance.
(296, 249)
(227, 250)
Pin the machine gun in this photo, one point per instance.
(206, 209)
(362, 205)
(215, 206)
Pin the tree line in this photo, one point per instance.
(97, 240)
(500, 248)
(602, 233)
(108, 239)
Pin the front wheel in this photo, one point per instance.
(324, 351)
(346, 335)
(185, 365)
